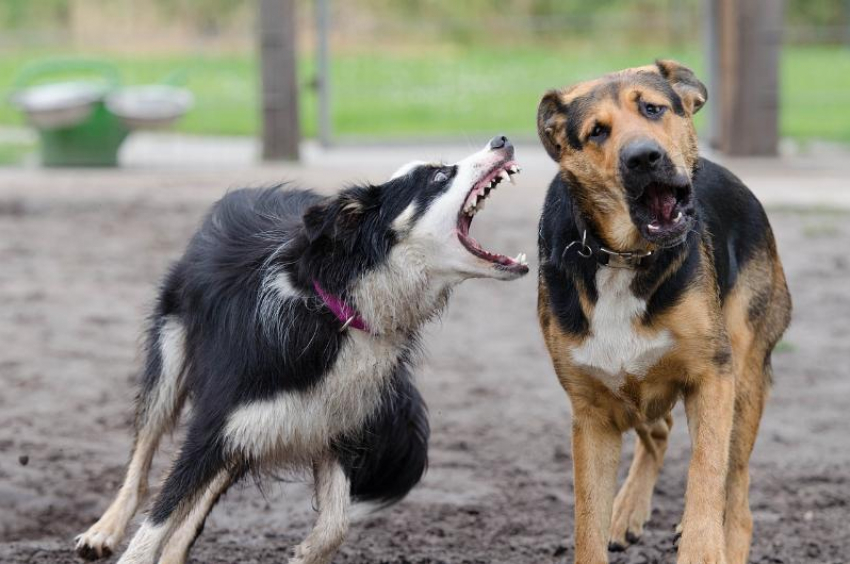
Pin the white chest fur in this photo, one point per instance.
(301, 423)
(614, 348)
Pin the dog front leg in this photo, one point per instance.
(596, 456)
(334, 499)
(710, 408)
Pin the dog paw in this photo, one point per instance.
(305, 554)
(307, 559)
(96, 543)
(629, 517)
(700, 557)
(705, 549)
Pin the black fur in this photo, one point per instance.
(728, 218)
(389, 456)
(236, 352)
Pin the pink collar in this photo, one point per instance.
(345, 313)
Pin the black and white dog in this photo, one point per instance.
(291, 322)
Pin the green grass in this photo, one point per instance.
(224, 87)
(815, 93)
(464, 92)
(14, 153)
(455, 92)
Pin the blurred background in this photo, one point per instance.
(414, 70)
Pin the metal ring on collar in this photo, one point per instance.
(585, 251)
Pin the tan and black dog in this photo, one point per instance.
(659, 280)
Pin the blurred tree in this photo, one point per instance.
(815, 12)
(206, 16)
(18, 14)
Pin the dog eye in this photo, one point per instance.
(599, 133)
(653, 110)
(440, 177)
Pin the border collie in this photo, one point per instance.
(292, 323)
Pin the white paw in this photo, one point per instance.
(97, 543)
(305, 554)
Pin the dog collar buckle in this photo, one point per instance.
(630, 259)
(344, 312)
(347, 324)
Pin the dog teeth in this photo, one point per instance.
(513, 169)
(653, 227)
(678, 218)
(503, 175)
(521, 258)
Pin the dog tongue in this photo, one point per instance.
(662, 202)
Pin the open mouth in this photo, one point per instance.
(474, 203)
(667, 207)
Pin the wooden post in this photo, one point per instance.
(323, 71)
(745, 71)
(281, 130)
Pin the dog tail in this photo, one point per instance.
(390, 455)
(162, 390)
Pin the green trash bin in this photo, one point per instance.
(74, 125)
(84, 122)
(94, 142)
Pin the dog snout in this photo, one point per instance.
(643, 155)
(500, 142)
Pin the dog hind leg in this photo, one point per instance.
(334, 499)
(157, 409)
(633, 504)
(751, 394)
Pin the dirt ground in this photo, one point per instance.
(80, 255)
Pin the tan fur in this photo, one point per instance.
(717, 365)
(595, 168)
(633, 504)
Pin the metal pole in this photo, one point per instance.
(281, 128)
(323, 71)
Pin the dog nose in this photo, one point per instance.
(643, 155)
(500, 142)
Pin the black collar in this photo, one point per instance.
(589, 246)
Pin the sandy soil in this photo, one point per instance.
(80, 255)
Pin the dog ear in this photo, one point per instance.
(318, 221)
(335, 218)
(683, 80)
(550, 123)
